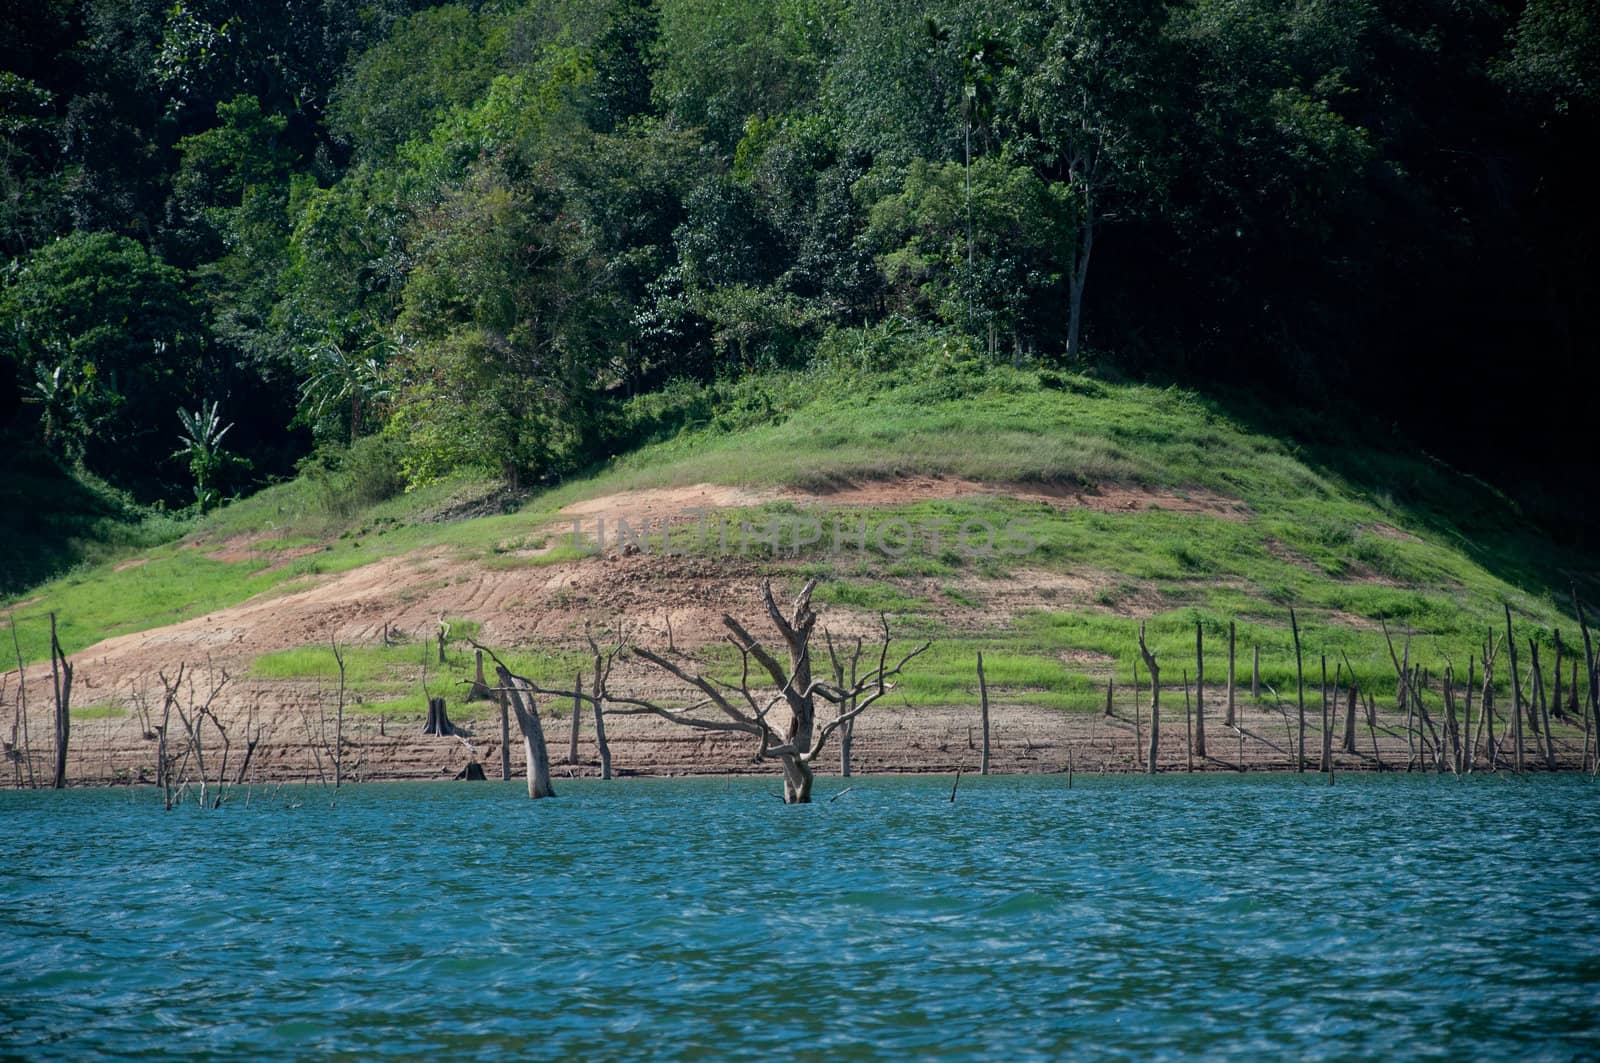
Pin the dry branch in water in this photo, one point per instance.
(798, 742)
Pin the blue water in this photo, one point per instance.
(676, 919)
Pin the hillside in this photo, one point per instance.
(1111, 504)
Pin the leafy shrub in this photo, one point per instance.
(347, 480)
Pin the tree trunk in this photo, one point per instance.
(438, 722)
(479, 691)
(1589, 664)
(523, 703)
(1080, 276)
(577, 706)
(1327, 720)
(1229, 722)
(846, 735)
(1556, 700)
(1155, 702)
(1299, 695)
(983, 697)
(797, 779)
(1486, 714)
(1544, 708)
(1138, 721)
(1188, 727)
(1350, 718)
(1516, 696)
(600, 739)
(61, 672)
(505, 737)
(1199, 693)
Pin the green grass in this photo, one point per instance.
(390, 672)
(1345, 533)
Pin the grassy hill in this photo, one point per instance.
(1140, 502)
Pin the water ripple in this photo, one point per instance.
(1227, 916)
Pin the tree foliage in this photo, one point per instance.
(474, 229)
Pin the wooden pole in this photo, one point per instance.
(983, 695)
(1109, 684)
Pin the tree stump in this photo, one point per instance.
(438, 722)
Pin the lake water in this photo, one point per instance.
(681, 919)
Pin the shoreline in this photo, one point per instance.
(892, 740)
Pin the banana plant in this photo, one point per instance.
(201, 445)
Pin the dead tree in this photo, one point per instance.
(61, 674)
(505, 731)
(1350, 715)
(210, 794)
(1452, 725)
(600, 739)
(601, 663)
(1188, 727)
(845, 681)
(1229, 722)
(338, 726)
(1491, 649)
(1555, 700)
(1300, 694)
(1516, 694)
(1155, 701)
(577, 707)
(1589, 663)
(597, 696)
(20, 720)
(479, 690)
(1402, 671)
(1138, 721)
(438, 722)
(1199, 693)
(802, 738)
(520, 692)
(1326, 764)
(1544, 706)
(983, 697)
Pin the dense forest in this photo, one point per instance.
(523, 237)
